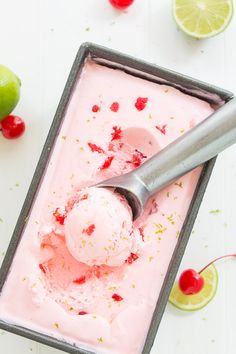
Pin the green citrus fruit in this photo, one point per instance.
(9, 91)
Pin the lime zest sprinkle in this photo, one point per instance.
(112, 288)
(160, 229)
(170, 219)
(179, 184)
(215, 211)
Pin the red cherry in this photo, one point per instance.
(191, 282)
(59, 215)
(12, 127)
(121, 4)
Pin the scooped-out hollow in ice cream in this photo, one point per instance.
(99, 228)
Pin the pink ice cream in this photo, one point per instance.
(83, 274)
(99, 228)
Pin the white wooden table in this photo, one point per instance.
(39, 40)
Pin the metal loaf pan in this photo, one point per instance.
(215, 96)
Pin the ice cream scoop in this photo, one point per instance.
(98, 229)
(197, 146)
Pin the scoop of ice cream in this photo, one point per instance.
(99, 228)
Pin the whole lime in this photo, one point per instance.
(9, 91)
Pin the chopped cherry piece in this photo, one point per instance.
(137, 158)
(80, 280)
(141, 103)
(117, 297)
(59, 216)
(141, 229)
(132, 258)
(89, 230)
(115, 107)
(95, 108)
(96, 148)
(42, 268)
(83, 197)
(82, 313)
(107, 163)
(116, 134)
(111, 146)
(97, 272)
(162, 129)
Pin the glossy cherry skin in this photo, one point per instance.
(191, 282)
(121, 4)
(12, 127)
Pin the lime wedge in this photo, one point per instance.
(200, 300)
(203, 18)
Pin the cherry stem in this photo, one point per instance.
(216, 260)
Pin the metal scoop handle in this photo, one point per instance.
(197, 146)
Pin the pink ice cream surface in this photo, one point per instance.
(99, 228)
(114, 122)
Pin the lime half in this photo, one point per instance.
(200, 300)
(203, 18)
(9, 91)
